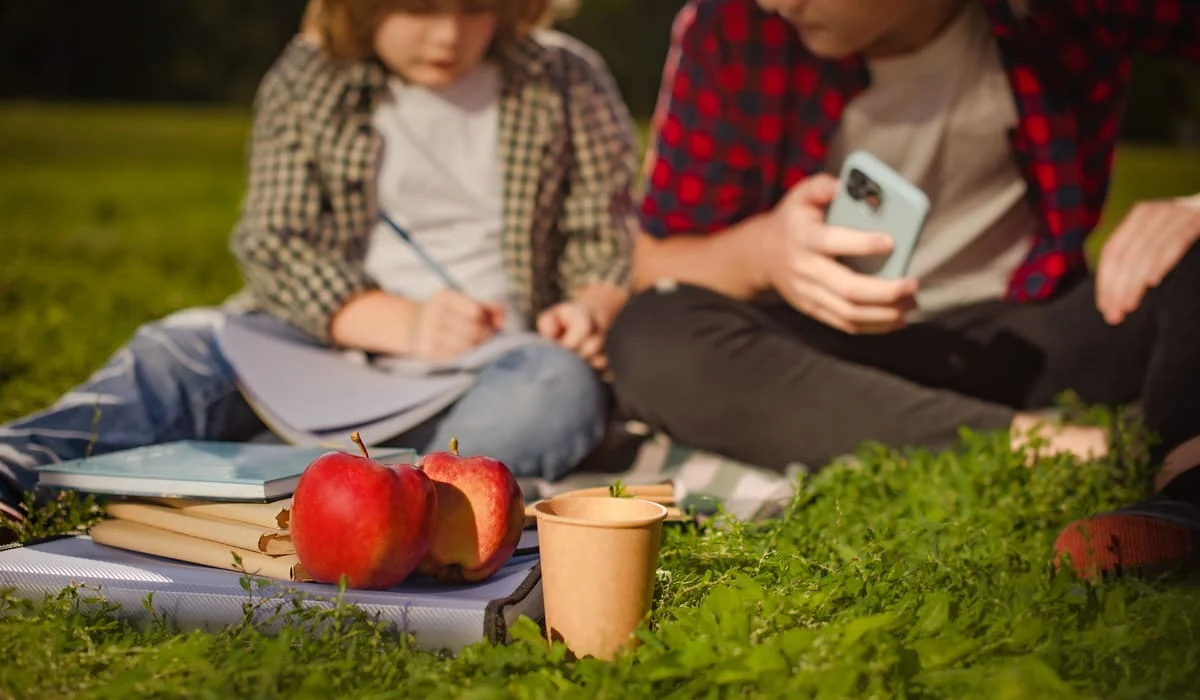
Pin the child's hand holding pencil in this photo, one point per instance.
(451, 323)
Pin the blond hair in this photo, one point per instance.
(345, 29)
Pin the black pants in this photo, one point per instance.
(770, 386)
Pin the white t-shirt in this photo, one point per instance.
(940, 117)
(439, 178)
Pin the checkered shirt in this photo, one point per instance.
(568, 151)
(746, 111)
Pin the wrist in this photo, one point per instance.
(758, 252)
(376, 321)
(406, 317)
(603, 302)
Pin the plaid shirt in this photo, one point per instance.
(746, 111)
(569, 158)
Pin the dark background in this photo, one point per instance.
(215, 51)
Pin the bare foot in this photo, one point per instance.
(1085, 442)
(1179, 460)
(10, 523)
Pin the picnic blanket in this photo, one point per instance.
(702, 479)
(745, 491)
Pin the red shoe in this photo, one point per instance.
(1151, 537)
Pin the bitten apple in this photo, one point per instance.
(369, 521)
(481, 513)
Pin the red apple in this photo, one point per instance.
(354, 516)
(481, 513)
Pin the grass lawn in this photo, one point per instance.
(913, 574)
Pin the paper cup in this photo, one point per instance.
(598, 557)
(657, 493)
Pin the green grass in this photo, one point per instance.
(911, 575)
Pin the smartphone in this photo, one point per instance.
(873, 197)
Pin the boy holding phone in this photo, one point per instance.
(1005, 114)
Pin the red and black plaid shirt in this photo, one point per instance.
(746, 111)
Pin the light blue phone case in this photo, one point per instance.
(893, 206)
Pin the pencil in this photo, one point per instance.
(421, 253)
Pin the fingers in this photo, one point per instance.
(579, 327)
(495, 316)
(1117, 280)
(549, 325)
(449, 302)
(574, 329)
(856, 287)
(836, 241)
(815, 191)
(567, 325)
(1109, 280)
(570, 325)
(849, 301)
(592, 352)
(1145, 246)
(592, 346)
(452, 323)
(835, 310)
(447, 339)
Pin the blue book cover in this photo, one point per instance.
(229, 471)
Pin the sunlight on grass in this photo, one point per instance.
(909, 575)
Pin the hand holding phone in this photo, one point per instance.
(873, 197)
(803, 258)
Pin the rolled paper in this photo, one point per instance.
(137, 537)
(236, 534)
(274, 515)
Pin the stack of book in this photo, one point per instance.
(223, 505)
(249, 537)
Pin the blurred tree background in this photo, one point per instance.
(215, 51)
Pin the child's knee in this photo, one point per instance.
(546, 380)
(180, 349)
(184, 335)
(548, 394)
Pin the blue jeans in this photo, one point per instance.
(539, 409)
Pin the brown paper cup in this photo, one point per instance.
(598, 557)
(657, 493)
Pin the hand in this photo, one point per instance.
(800, 260)
(1145, 246)
(451, 323)
(574, 327)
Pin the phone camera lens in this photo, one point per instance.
(856, 185)
(863, 189)
(873, 196)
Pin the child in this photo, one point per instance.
(504, 149)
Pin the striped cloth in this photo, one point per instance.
(702, 480)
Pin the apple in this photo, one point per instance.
(356, 517)
(481, 513)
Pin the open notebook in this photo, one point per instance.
(310, 394)
(439, 616)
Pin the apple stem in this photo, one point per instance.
(358, 441)
(454, 446)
